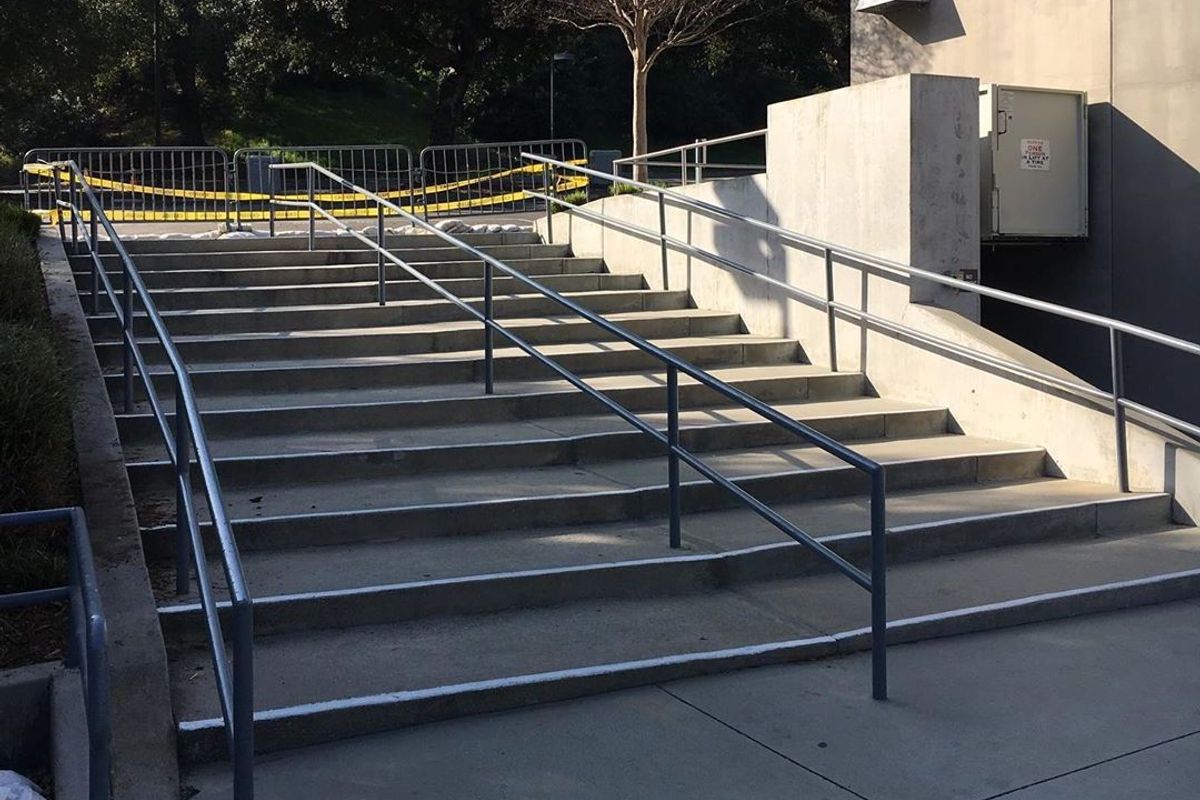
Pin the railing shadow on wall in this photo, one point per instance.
(1045, 377)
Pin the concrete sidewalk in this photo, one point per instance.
(1096, 708)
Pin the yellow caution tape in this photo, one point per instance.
(47, 171)
(138, 215)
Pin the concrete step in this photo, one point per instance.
(367, 291)
(461, 367)
(330, 316)
(330, 684)
(297, 242)
(206, 277)
(254, 460)
(437, 337)
(484, 500)
(238, 258)
(297, 415)
(378, 582)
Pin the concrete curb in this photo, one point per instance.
(143, 731)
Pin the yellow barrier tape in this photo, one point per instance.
(47, 171)
(127, 215)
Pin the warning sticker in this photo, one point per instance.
(1035, 154)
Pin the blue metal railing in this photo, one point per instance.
(87, 644)
(873, 581)
(185, 433)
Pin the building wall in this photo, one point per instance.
(1139, 61)
(888, 169)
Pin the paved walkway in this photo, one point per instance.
(1100, 708)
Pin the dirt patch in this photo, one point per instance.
(33, 635)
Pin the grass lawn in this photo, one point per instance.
(307, 115)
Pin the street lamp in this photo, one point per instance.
(565, 59)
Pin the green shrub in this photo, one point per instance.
(575, 198)
(617, 189)
(36, 454)
(22, 300)
(17, 220)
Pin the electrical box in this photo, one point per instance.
(1034, 160)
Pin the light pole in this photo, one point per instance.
(157, 75)
(556, 59)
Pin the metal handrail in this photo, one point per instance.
(874, 581)
(847, 255)
(699, 163)
(240, 159)
(88, 638)
(234, 685)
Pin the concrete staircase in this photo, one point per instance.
(419, 550)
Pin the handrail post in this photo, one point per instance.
(879, 675)
(270, 201)
(183, 488)
(381, 240)
(75, 654)
(674, 501)
(243, 701)
(58, 212)
(683, 166)
(225, 187)
(237, 192)
(312, 214)
(549, 204)
(1118, 394)
(424, 188)
(127, 335)
(489, 362)
(662, 240)
(94, 233)
(73, 198)
(830, 313)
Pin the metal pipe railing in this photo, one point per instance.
(833, 252)
(88, 634)
(699, 161)
(874, 581)
(234, 683)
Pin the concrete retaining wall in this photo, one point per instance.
(889, 168)
(144, 761)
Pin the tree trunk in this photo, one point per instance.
(445, 123)
(190, 111)
(640, 138)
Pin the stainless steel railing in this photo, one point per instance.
(832, 253)
(874, 580)
(88, 636)
(181, 435)
(691, 161)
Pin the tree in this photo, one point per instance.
(445, 46)
(651, 28)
